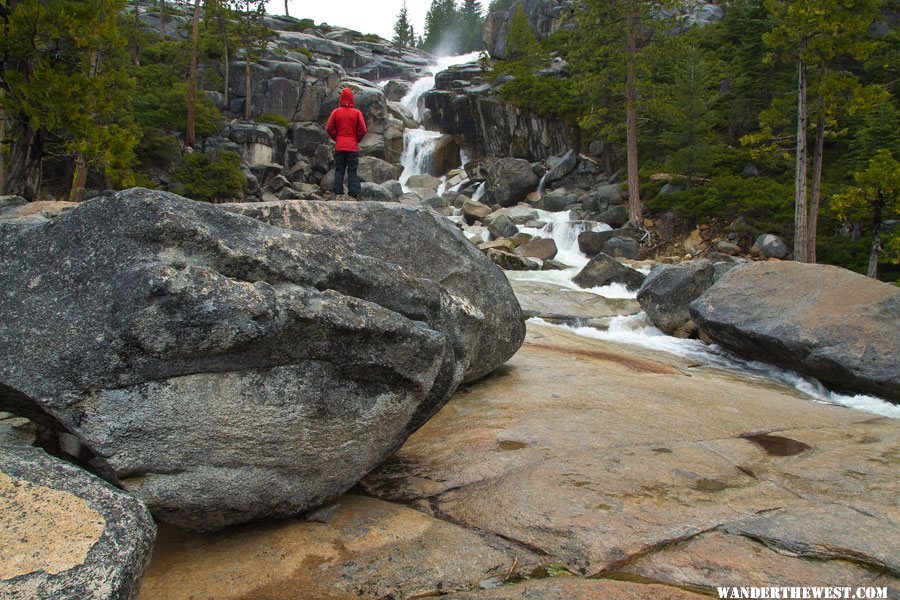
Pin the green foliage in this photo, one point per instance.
(62, 72)
(521, 40)
(765, 204)
(403, 29)
(211, 178)
(273, 119)
(877, 190)
(500, 5)
(303, 24)
(452, 29)
(160, 101)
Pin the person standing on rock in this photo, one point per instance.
(347, 127)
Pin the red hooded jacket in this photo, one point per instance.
(346, 125)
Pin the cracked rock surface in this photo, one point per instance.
(600, 470)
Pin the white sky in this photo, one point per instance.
(365, 16)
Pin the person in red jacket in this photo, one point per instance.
(347, 127)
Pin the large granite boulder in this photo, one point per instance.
(67, 534)
(669, 290)
(223, 370)
(509, 181)
(821, 320)
(422, 245)
(604, 270)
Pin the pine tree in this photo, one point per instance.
(252, 38)
(64, 84)
(442, 31)
(521, 40)
(472, 25)
(403, 30)
(874, 198)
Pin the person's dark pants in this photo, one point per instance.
(346, 161)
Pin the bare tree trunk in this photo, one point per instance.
(818, 157)
(286, 13)
(23, 174)
(635, 210)
(875, 248)
(190, 130)
(79, 178)
(162, 20)
(2, 140)
(801, 223)
(136, 49)
(226, 60)
(247, 87)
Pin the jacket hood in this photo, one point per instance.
(347, 98)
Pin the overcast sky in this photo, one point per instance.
(365, 16)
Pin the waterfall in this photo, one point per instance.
(479, 192)
(426, 84)
(565, 233)
(418, 153)
(542, 186)
(418, 144)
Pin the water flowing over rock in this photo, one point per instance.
(223, 370)
(833, 324)
(66, 533)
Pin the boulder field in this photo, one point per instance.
(224, 370)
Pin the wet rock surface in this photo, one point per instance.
(836, 325)
(560, 304)
(573, 487)
(221, 369)
(65, 533)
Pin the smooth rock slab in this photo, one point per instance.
(221, 369)
(576, 588)
(718, 559)
(64, 533)
(367, 549)
(599, 455)
(821, 320)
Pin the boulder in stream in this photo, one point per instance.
(821, 320)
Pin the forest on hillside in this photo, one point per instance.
(87, 92)
(718, 107)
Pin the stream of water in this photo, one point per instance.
(636, 329)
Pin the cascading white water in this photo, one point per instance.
(418, 144)
(426, 84)
(636, 330)
(418, 153)
(479, 192)
(564, 231)
(542, 186)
